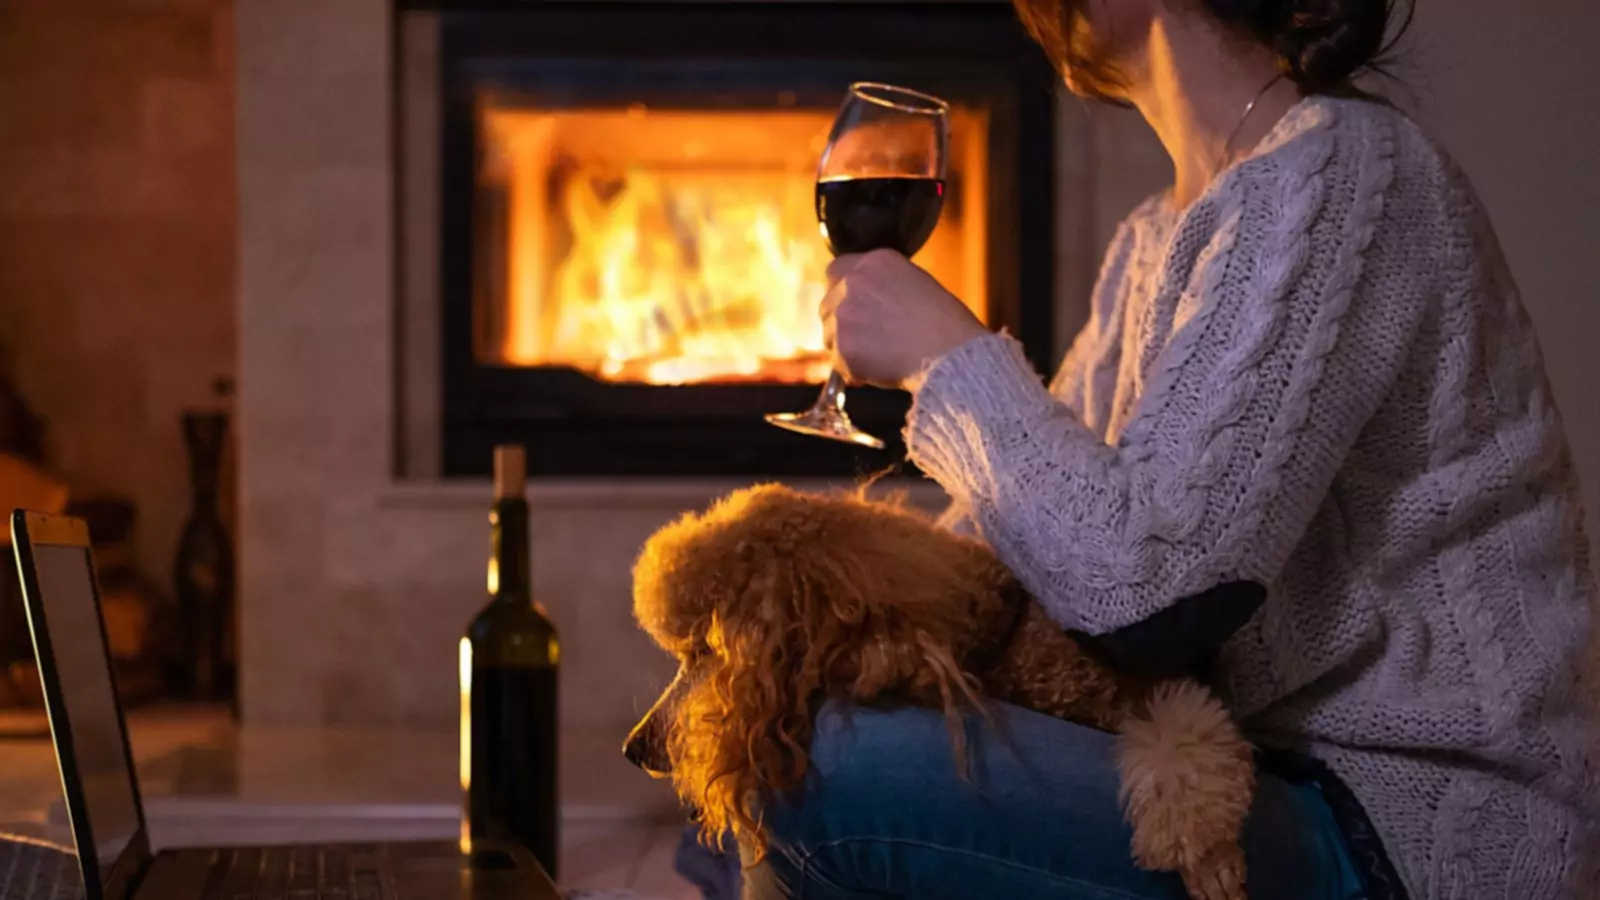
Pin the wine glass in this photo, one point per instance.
(880, 184)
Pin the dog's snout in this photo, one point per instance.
(645, 750)
(646, 746)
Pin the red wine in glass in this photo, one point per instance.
(894, 213)
(880, 185)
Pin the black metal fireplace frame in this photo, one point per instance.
(573, 425)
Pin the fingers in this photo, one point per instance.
(842, 265)
(845, 264)
(830, 340)
(830, 330)
(838, 270)
(836, 355)
(829, 307)
(861, 290)
(829, 312)
(843, 369)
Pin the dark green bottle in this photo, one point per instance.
(509, 662)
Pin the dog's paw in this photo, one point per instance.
(1158, 842)
(1219, 874)
(1187, 781)
(1216, 872)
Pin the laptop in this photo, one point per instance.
(115, 860)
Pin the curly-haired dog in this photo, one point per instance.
(775, 600)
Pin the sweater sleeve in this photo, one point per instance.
(1311, 289)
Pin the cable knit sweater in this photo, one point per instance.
(1319, 377)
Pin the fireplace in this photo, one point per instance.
(606, 212)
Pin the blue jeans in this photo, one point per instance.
(885, 813)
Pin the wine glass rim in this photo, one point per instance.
(875, 92)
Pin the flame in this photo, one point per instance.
(677, 280)
(674, 248)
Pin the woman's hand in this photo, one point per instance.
(885, 319)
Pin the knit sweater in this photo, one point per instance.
(1319, 377)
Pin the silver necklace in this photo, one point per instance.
(1227, 148)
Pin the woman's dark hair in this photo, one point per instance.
(1321, 45)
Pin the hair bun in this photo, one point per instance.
(1323, 43)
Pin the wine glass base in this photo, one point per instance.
(828, 424)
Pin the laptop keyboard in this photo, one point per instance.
(296, 873)
(34, 872)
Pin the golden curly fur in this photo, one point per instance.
(775, 600)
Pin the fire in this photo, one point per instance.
(689, 278)
(671, 248)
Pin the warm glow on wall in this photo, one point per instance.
(464, 765)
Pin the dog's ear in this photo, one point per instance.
(742, 728)
(802, 626)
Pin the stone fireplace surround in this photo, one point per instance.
(357, 577)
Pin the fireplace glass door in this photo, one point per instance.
(629, 259)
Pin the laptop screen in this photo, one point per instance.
(66, 593)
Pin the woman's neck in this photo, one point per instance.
(1193, 84)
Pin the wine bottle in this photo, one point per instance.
(509, 662)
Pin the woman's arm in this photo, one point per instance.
(1311, 293)
(1081, 381)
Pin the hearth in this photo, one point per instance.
(617, 199)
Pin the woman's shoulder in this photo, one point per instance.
(1335, 162)
(1351, 147)
(1352, 168)
(1361, 142)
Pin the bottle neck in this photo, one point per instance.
(510, 574)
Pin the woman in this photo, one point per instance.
(1306, 367)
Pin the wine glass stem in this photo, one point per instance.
(833, 393)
